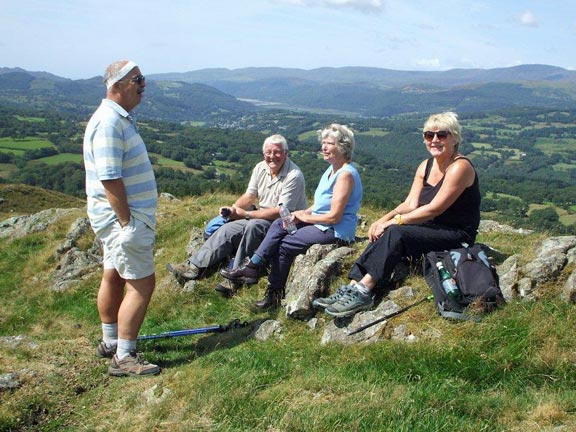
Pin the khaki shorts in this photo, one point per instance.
(129, 250)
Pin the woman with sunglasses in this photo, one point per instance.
(441, 211)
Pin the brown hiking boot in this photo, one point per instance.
(133, 365)
(272, 299)
(104, 350)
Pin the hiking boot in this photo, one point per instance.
(247, 273)
(351, 302)
(104, 350)
(184, 272)
(330, 300)
(272, 299)
(227, 288)
(132, 365)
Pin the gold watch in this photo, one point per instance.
(398, 219)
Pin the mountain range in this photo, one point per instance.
(371, 92)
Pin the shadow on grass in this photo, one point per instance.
(227, 339)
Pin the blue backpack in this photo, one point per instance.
(213, 225)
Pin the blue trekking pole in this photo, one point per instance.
(235, 323)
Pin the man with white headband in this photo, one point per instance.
(122, 202)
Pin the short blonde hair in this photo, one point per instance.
(445, 121)
(344, 137)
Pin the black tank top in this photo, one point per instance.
(464, 213)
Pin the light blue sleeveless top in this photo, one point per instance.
(346, 228)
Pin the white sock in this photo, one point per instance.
(110, 334)
(125, 347)
(362, 289)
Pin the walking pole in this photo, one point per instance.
(235, 323)
(391, 315)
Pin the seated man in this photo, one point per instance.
(275, 180)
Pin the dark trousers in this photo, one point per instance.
(280, 248)
(404, 241)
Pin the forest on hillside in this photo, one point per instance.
(526, 158)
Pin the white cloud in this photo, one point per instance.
(528, 19)
(366, 6)
(430, 63)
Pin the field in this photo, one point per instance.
(19, 146)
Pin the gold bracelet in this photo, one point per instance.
(398, 219)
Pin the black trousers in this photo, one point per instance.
(405, 241)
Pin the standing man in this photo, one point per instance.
(275, 180)
(122, 202)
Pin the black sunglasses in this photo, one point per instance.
(138, 79)
(429, 135)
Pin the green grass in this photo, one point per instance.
(555, 145)
(62, 157)
(515, 371)
(23, 144)
(31, 119)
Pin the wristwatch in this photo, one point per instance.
(247, 216)
(398, 219)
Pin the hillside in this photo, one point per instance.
(513, 372)
(222, 96)
(171, 101)
(17, 199)
(374, 92)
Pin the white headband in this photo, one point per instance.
(120, 74)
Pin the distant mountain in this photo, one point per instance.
(384, 78)
(175, 101)
(216, 94)
(383, 92)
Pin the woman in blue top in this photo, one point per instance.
(331, 218)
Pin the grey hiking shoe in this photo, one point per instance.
(133, 365)
(184, 272)
(103, 350)
(350, 303)
(324, 302)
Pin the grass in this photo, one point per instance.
(515, 371)
(14, 144)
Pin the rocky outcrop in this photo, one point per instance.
(20, 226)
(553, 256)
(312, 274)
(75, 264)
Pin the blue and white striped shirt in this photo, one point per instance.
(113, 149)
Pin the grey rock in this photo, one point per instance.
(339, 329)
(509, 274)
(9, 381)
(493, 226)
(195, 242)
(569, 289)
(267, 329)
(20, 226)
(312, 274)
(74, 266)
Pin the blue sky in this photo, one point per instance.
(78, 39)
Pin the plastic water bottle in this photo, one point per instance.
(448, 283)
(287, 219)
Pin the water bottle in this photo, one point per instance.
(287, 219)
(448, 283)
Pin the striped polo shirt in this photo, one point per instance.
(113, 149)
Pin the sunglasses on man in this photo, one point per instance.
(138, 79)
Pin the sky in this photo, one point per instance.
(78, 39)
